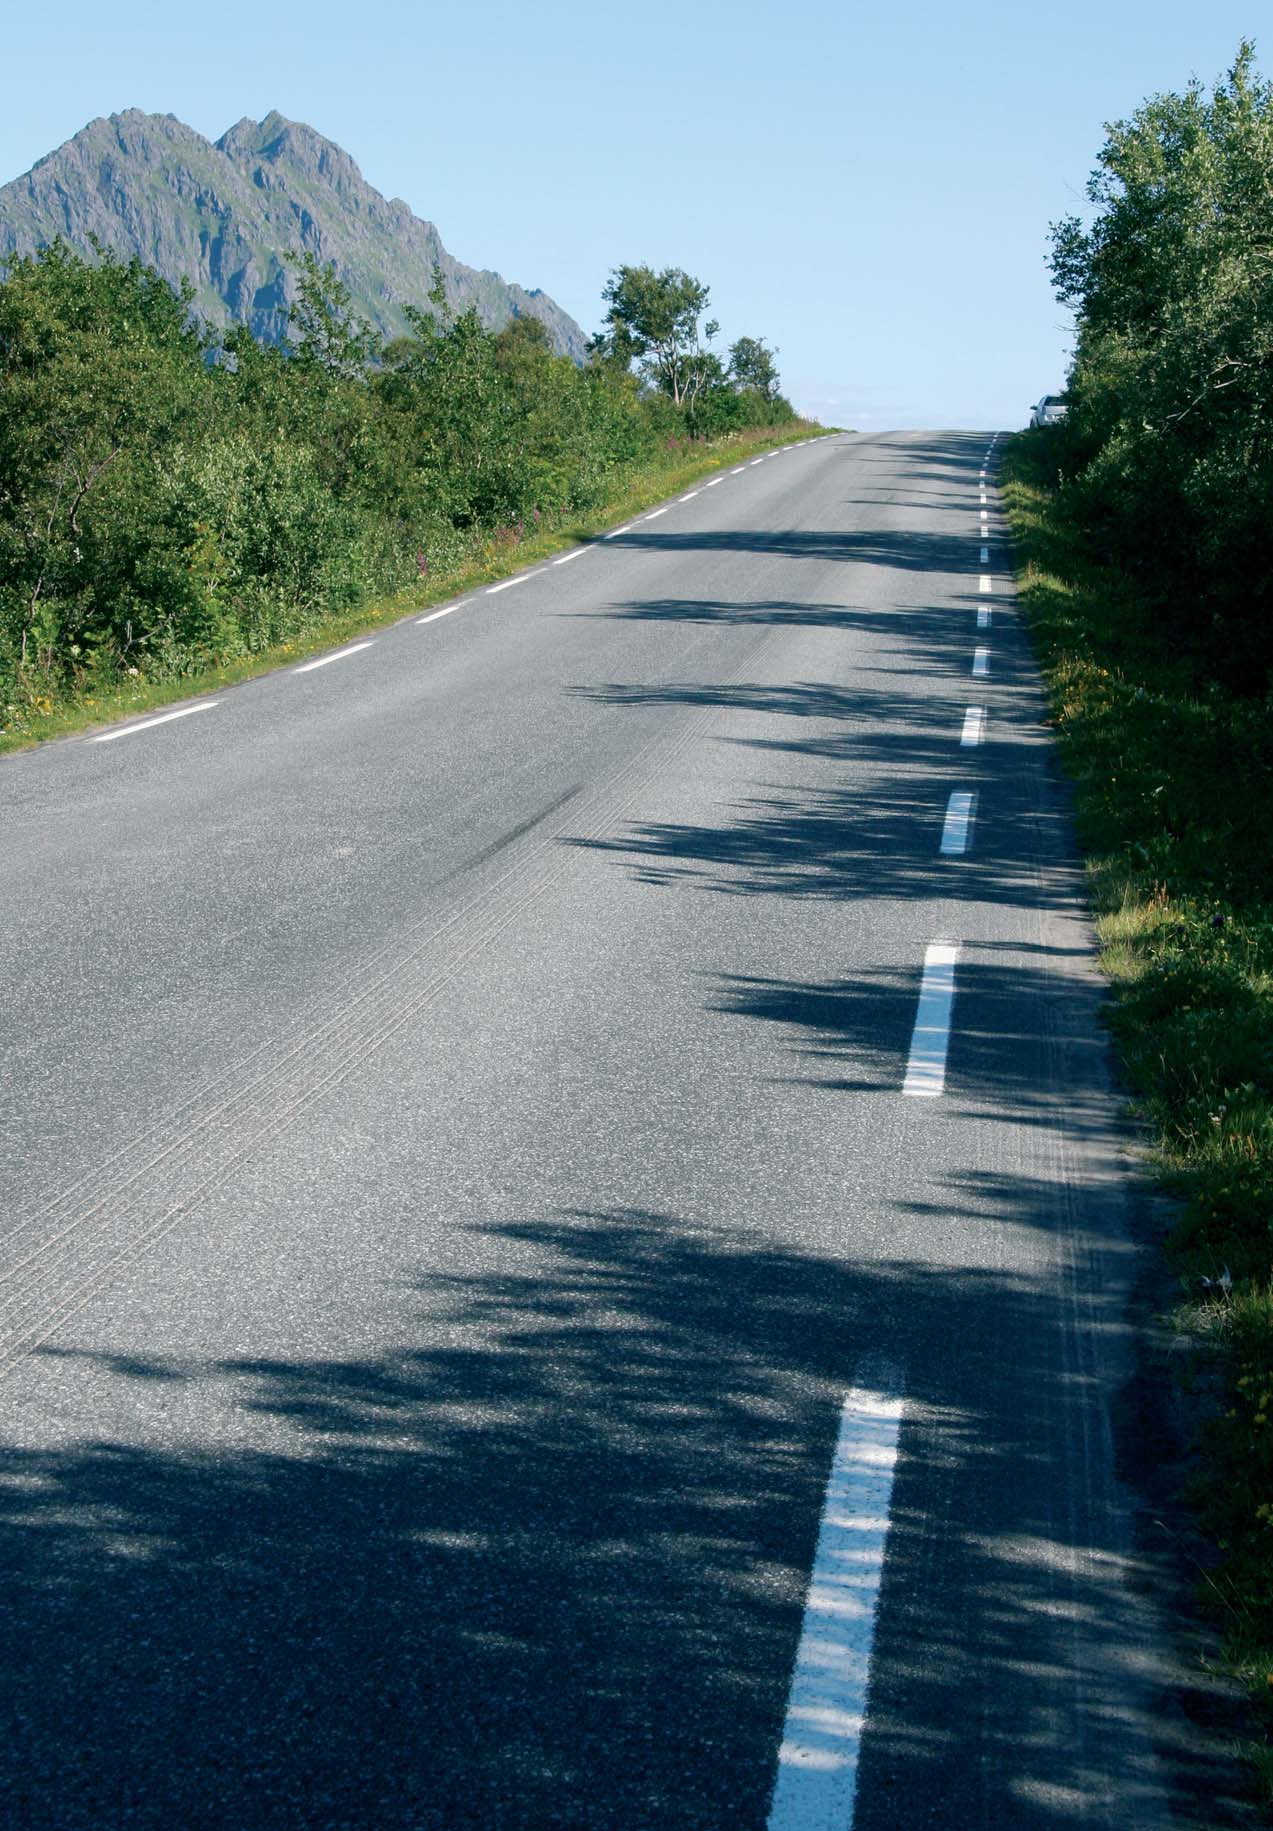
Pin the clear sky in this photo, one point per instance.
(868, 187)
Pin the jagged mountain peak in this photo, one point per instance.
(231, 215)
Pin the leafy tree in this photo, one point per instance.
(654, 319)
(1170, 436)
(101, 369)
(752, 367)
(324, 331)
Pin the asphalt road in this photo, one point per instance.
(455, 1164)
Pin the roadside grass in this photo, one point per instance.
(492, 556)
(1174, 792)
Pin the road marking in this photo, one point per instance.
(957, 826)
(974, 727)
(983, 616)
(714, 482)
(739, 471)
(147, 724)
(826, 1707)
(981, 661)
(984, 496)
(507, 585)
(983, 584)
(930, 1040)
(435, 614)
(657, 513)
(755, 462)
(984, 516)
(615, 532)
(326, 660)
(985, 556)
(689, 497)
(567, 557)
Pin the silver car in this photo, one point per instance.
(1050, 411)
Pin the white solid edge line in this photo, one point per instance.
(957, 827)
(615, 532)
(508, 584)
(981, 661)
(324, 661)
(567, 557)
(983, 616)
(983, 583)
(974, 727)
(816, 1787)
(435, 614)
(930, 1039)
(657, 513)
(164, 718)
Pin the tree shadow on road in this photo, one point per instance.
(543, 1563)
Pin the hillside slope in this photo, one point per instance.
(228, 214)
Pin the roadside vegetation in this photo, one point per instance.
(179, 508)
(1144, 532)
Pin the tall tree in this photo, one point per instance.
(752, 365)
(654, 319)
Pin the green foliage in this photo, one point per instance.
(1174, 780)
(166, 506)
(325, 333)
(752, 367)
(654, 319)
(1169, 445)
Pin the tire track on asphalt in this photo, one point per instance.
(76, 1242)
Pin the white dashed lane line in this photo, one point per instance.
(983, 584)
(148, 724)
(981, 662)
(578, 552)
(974, 727)
(956, 832)
(625, 529)
(930, 1039)
(816, 1786)
(983, 616)
(656, 514)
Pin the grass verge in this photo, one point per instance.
(1174, 789)
(491, 558)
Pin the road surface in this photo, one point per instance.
(526, 1141)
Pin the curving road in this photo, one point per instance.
(481, 1152)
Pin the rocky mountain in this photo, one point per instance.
(227, 216)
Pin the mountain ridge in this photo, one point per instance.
(230, 215)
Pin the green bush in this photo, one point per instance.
(167, 503)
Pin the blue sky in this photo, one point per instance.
(867, 187)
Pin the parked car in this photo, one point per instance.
(1049, 411)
